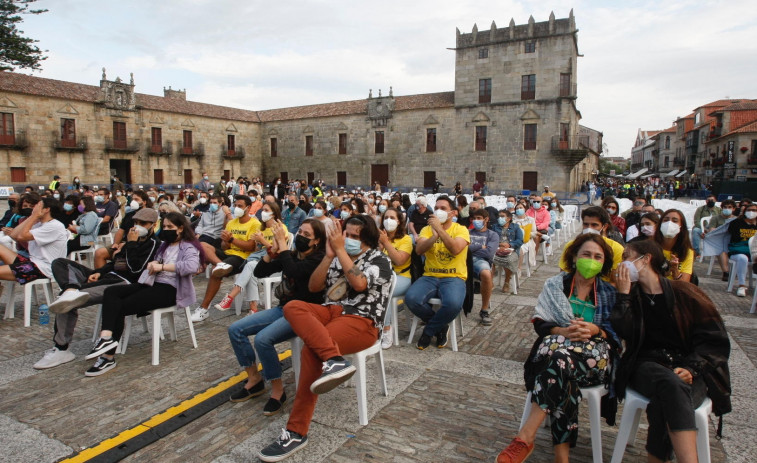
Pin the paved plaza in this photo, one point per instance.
(443, 406)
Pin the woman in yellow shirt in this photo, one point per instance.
(673, 236)
(398, 246)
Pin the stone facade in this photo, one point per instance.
(515, 132)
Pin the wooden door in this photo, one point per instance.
(188, 177)
(341, 178)
(380, 174)
(481, 177)
(157, 176)
(429, 178)
(530, 181)
(311, 178)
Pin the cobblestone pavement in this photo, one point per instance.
(443, 406)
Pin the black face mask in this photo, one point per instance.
(169, 236)
(710, 203)
(11, 203)
(301, 243)
(26, 212)
(292, 205)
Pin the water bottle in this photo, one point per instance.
(44, 315)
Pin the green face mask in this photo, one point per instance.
(588, 268)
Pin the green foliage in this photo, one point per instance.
(17, 51)
(606, 166)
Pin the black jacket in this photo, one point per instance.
(296, 271)
(702, 331)
(132, 259)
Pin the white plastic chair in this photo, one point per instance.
(635, 403)
(593, 396)
(29, 292)
(435, 305)
(157, 331)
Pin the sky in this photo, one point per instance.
(644, 63)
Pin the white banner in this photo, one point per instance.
(6, 191)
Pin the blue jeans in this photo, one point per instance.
(450, 290)
(403, 283)
(696, 240)
(271, 328)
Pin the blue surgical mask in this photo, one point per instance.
(317, 212)
(352, 246)
(520, 212)
(478, 224)
(536, 204)
(68, 207)
(454, 219)
(510, 204)
(382, 208)
(501, 221)
(344, 215)
(213, 207)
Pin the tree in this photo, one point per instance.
(17, 51)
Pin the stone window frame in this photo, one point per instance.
(435, 128)
(528, 144)
(483, 53)
(339, 144)
(309, 145)
(476, 143)
(529, 46)
(485, 92)
(273, 143)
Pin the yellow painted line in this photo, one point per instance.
(91, 452)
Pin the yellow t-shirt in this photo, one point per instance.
(439, 262)
(242, 231)
(684, 266)
(617, 255)
(404, 244)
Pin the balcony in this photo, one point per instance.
(679, 162)
(195, 151)
(236, 153)
(752, 160)
(15, 141)
(130, 145)
(571, 150)
(68, 144)
(527, 94)
(164, 149)
(568, 91)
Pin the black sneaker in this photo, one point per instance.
(725, 277)
(102, 346)
(486, 320)
(101, 366)
(441, 337)
(288, 443)
(273, 406)
(335, 372)
(244, 394)
(423, 342)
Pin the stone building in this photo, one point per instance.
(511, 121)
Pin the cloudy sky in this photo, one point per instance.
(644, 64)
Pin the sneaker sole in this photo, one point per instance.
(446, 339)
(327, 383)
(221, 272)
(67, 306)
(37, 366)
(222, 308)
(268, 459)
(101, 372)
(100, 351)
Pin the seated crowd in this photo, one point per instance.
(627, 280)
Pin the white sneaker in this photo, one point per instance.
(53, 358)
(387, 338)
(221, 269)
(741, 292)
(69, 301)
(200, 314)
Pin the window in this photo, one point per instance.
(231, 145)
(528, 87)
(18, 174)
(119, 135)
(157, 176)
(565, 84)
(274, 147)
(481, 138)
(68, 133)
(342, 143)
(484, 90)
(529, 137)
(379, 142)
(7, 133)
(667, 142)
(531, 46)
(187, 142)
(430, 140)
(483, 53)
(341, 178)
(308, 145)
(156, 140)
(564, 130)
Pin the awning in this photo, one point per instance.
(636, 174)
(648, 175)
(681, 173)
(672, 172)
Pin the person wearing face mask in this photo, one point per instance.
(418, 217)
(212, 222)
(740, 231)
(572, 311)
(202, 205)
(293, 216)
(345, 211)
(166, 281)
(510, 204)
(727, 213)
(204, 184)
(484, 242)
(269, 326)
(357, 278)
(541, 230)
(613, 208)
(278, 190)
(709, 209)
(85, 227)
(508, 249)
(237, 242)
(138, 201)
(106, 210)
(264, 239)
(528, 225)
(556, 213)
(445, 245)
(673, 236)
(596, 221)
(320, 212)
(12, 202)
(398, 246)
(22, 212)
(82, 286)
(635, 231)
(75, 184)
(676, 351)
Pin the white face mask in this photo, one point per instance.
(134, 205)
(203, 200)
(633, 272)
(382, 208)
(648, 230)
(238, 212)
(591, 231)
(390, 225)
(442, 215)
(671, 229)
(266, 216)
(141, 231)
(750, 215)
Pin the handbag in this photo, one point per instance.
(338, 290)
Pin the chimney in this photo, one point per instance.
(175, 94)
